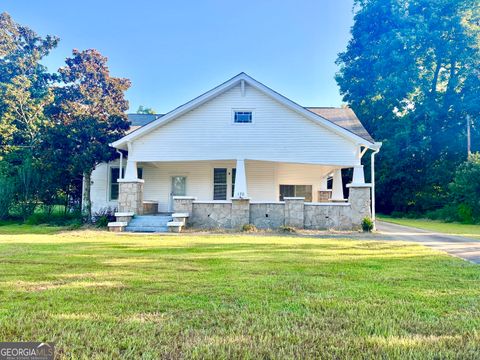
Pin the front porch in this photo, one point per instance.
(232, 193)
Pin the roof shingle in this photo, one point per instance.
(343, 117)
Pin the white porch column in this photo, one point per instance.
(240, 181)
(358, 175)
(131, 170)
(337, 186)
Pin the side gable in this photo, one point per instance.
(242, 80)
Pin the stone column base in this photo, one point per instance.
(240, 212)
(294, 212)
(130, 196)
(359, 200)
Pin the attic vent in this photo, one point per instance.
(242, 117)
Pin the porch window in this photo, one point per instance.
(114, 175)
(220, 184)
(296, 190)
(234, 173)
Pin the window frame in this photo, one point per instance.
(110, 180)
(295, 191)
(231, 170)
(220, 184)
(252, 111)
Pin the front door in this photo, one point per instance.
(179, 188)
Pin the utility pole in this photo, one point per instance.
(469, 143)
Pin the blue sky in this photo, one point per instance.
(173, 51)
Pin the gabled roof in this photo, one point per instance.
(139, 120)
(242, 77)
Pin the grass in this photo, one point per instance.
(453, 228)
(100, 295)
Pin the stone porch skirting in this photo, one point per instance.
(293, 212)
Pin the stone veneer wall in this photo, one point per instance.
(130, 196)
(211, 215)
(267, 215)
(328, 216)
(270, 215)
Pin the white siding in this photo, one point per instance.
(99, 190)
(276, 134)
(263, 180)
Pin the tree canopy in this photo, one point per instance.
(411, 72)
(54, 127)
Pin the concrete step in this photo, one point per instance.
(147, 229)
(149, 223)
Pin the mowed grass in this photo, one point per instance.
(100, 295)
(468, 230)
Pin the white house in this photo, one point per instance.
(238, 141)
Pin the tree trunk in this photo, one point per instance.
(86, 201)
(435, 78)
(452, 83)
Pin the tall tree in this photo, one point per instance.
(89, 112)
(411, 73)
(24, 84)
(24, 94)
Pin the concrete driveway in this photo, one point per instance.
(462, 247)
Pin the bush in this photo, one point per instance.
(367, 224)
(448, 213)
(249, 228)
(102, 217)
(465, 189)
(55, 219)
(287, 229)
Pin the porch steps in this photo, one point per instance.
(149, 223)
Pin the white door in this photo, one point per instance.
(179, 188)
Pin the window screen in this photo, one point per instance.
(219, 184)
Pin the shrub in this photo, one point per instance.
(367, 224)
(448, 213)
(287, 229)
(397, 214)
(102, 217)
(465, 189)
(55, 219)
(249, 228)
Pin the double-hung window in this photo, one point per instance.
(114, 176)
(222, 180)
(219, 184)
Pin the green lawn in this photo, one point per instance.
(99, 295)
(438, 226)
